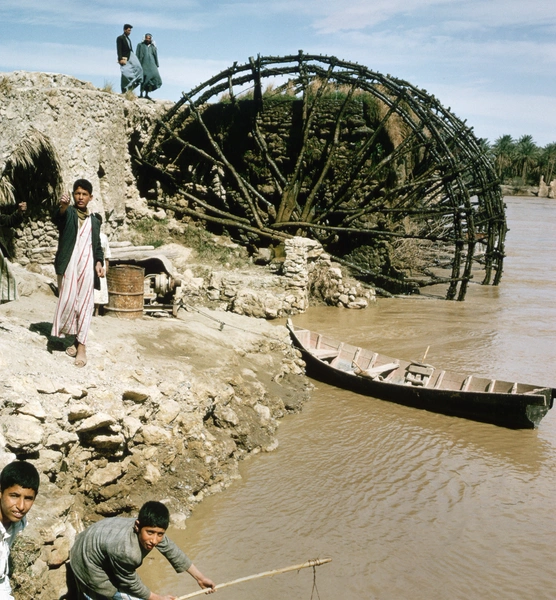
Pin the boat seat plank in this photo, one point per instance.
(537, 390)
(336, 359)
(324, 353)
(438, 382)
(466, 383)
(373, 360)
(420, 370)
(375, 372)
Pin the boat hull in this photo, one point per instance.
(511, 410)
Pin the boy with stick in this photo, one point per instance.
(106, 556)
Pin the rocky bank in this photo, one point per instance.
(165, 409)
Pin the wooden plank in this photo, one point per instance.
(491, 385)
(439, 380)
(466, 383)
(420, 370)
(377, 371)
(336, 358)
(323, 353)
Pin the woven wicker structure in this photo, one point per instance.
(391, 182)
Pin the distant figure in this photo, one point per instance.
(148, 57)
(101, 296)
(79, 264)
(105, 557)
(19, 484)
(130, 67)
(9, 217)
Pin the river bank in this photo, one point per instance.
(408, 504)
(165, 409)
(525, 191)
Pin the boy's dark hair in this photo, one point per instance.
(84, 184)
(154, 514)
(20, 473)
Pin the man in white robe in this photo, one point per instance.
(78, 259)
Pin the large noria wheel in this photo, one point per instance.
(391, 182)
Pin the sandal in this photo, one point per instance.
(79, 362)
(71, 351)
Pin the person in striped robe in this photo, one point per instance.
(79, 265)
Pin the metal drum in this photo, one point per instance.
(125, 291)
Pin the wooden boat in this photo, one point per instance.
(505, 403)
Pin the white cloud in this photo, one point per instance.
(493, 114)
(165, 14)
(362, 14)
(461, 14)
(70, 59)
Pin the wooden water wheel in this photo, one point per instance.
(387, 179)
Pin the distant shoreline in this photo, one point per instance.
(516, 190)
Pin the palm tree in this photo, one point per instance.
(548, 161)
(527, 154)
(504, 151)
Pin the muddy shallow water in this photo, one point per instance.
(407, 503)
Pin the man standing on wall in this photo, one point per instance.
(148, 57)
(79, 259)
(130, 67)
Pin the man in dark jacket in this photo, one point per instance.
(78, 259)
(130, 67)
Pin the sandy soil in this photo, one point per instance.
(196, 341)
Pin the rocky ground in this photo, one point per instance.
(164, 409)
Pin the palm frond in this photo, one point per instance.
(31, 171)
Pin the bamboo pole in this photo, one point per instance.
(311, 563)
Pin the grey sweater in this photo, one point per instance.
(106, 555)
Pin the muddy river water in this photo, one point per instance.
(408, 504)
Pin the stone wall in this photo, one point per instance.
(306, 275)
(92, 132)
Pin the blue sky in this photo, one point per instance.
(493, 62)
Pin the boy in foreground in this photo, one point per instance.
(19, 484)
(105, 557)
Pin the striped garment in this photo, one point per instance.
(8, 285)
(74, 309)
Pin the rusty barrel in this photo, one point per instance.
(125, 291)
